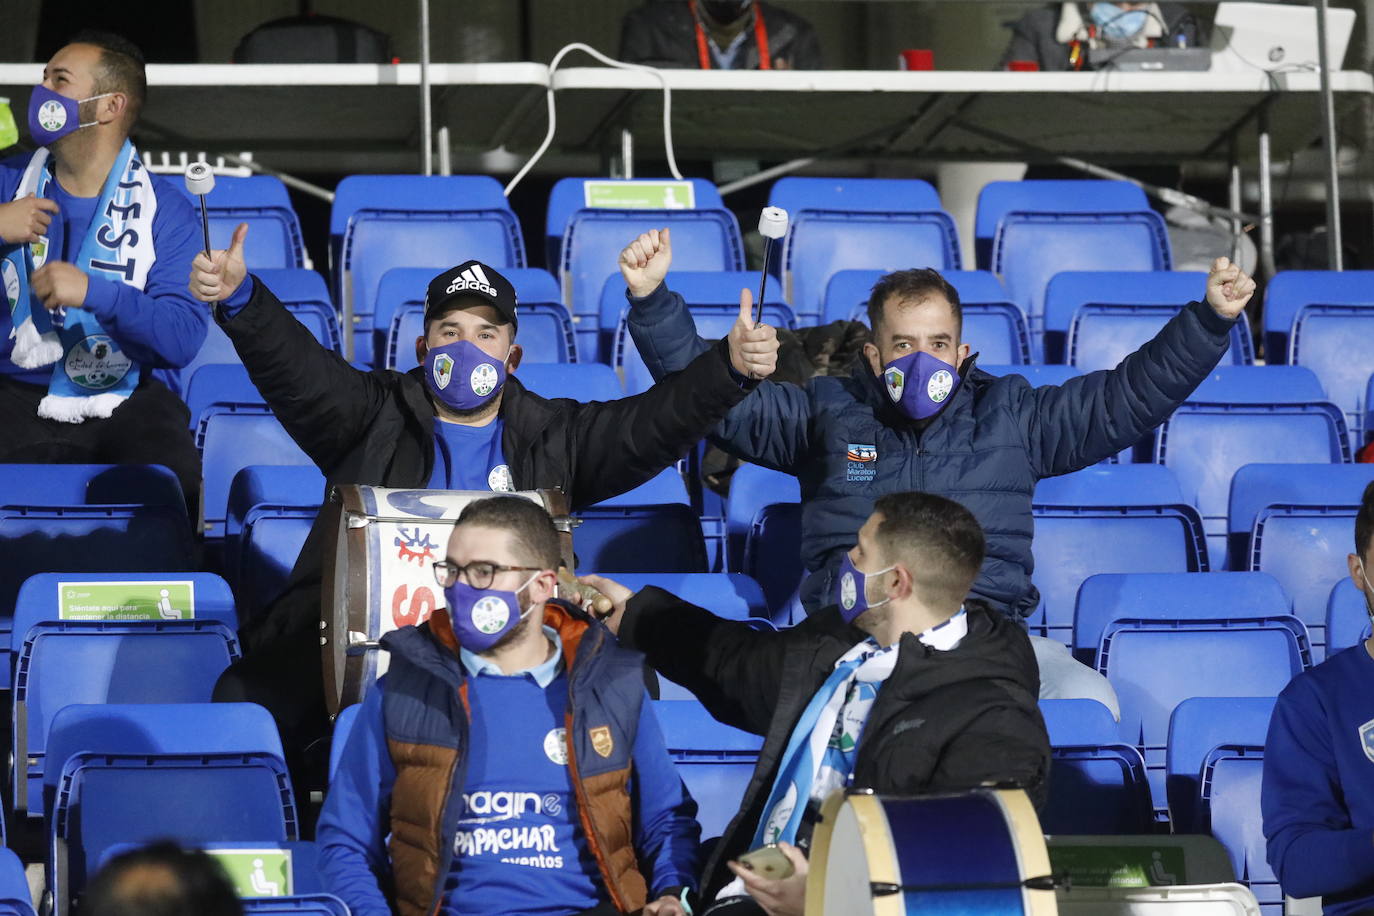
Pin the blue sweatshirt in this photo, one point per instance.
(161, 327)
(355, 819)
(1318, 796)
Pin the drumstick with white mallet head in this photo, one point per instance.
(772, 226)
(200, 180)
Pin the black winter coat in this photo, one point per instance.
(943, 721)
(663, 34)
(377, 429)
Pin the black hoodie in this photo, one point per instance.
(943, 721)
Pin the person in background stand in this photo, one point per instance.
(719, 35)
(1059, 36)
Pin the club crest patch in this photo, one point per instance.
(895, 379)
(483, 380)
(1367, 739)
(861, 463)
(939, 386)
(443, 370)
(602, 742)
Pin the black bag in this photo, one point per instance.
(312, 39)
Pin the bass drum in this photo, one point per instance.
(975, 854)
(379, 575)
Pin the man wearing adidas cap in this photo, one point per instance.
(460, 420)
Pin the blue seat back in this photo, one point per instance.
(999, 198)
(260, 486)
(1232, 784)
(271, 512)
(1037, 374)
(714, 760)
(274, 231)
(579, 381)
(1321, 341)
(1347, 617)
(772, 552)
(380, 222)
(1101, 336)
(192, 772)
(1108, 519)
(863, 195)
(569, 195)
(1078, 722)
(1152, 295)
(751, 488)
(299, 905)
(654, 538)
(15, 898)
(305, 295)
(1198, 726)
(220, 383)
(1097, 784)
(664, 488)
(733, 596)
(232, 437)
(544, 329)
(713, 322)
(1289, 290)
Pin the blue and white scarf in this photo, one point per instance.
(93, 375)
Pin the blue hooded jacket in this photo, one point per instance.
(986, 450)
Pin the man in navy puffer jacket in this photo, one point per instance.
(916, 414)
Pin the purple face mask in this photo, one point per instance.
(462, 376)
(482, 617)
(52, 115)
(851, 590)
(919, 384)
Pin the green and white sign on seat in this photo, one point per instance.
(256, 872)
(171, 600)
(639, 195)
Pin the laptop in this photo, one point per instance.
(1250, 37)
(1150, 59)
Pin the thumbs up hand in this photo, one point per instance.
(753, 350)
(215, 278)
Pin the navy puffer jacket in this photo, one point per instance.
(986, 449)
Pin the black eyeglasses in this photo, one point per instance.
(479, 573)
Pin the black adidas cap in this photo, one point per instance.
(471, 279)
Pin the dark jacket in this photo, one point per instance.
(943, 721)
(663, 34)
(405, 767)
(1033, 36)
(377, 428)
(986, 449)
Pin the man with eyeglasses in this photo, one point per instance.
(508, 753)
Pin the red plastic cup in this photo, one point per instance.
(916, 59)
(1023, 66)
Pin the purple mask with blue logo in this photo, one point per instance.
(919, 384)
(851, 590)
(52, 115)
(482, 617)
(462, 376)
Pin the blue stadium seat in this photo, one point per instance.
(300, 905)
(1097, 783)
(380, 222)
(219, 383)
(751, 488)
(60, 661)
(343, 727)
(1198, 726)
(304, 857)
(713, 322)
(713, 290)
(1037, 374)
(1246, 415)
(1347, 617)
(1298, 524)
(217, 350)
(270, 513)
(1289, 290)
(1094, 319)
(261, 201)
(545, 333)
(664, 488)
(994, 326)
(579, 381)
(1231, 781)
(1162, 638)
(1028, 231)
(192, 772)
(1128, 518)
(714, 760)
(705, 237)
(15, 898)
(306, 296)
(772, 553)
(231, 437)
(1321, 340)
(883, 223)
(660, 538)
(86, 518)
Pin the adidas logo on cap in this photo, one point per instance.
(472, 278)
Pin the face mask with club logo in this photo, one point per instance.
(919, 384)
(462, 376)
